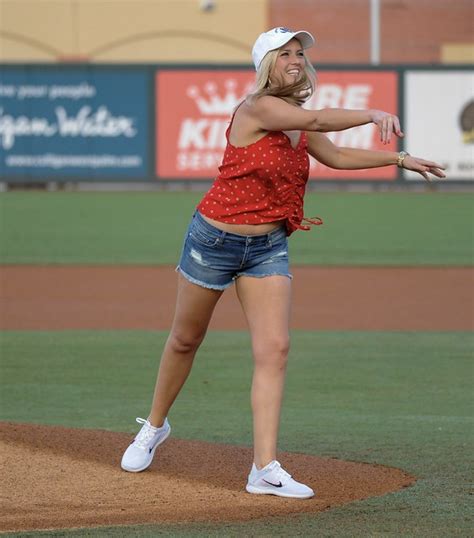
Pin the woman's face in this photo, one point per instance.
(290, 63)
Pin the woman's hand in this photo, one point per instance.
(387, 124)
(423, 167)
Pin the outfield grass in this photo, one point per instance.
(400, 399)
(148, 228)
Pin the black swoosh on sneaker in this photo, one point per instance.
(280, 485)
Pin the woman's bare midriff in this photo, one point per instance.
(245, 229)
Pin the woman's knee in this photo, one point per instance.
(272, 352)
(185, 343)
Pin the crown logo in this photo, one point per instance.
(210, 103)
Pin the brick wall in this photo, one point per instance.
(411, 31)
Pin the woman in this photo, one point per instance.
(239, 234)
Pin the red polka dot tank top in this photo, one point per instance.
(261, 183)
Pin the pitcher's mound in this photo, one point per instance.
(55, 477)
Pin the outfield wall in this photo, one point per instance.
(156, 123)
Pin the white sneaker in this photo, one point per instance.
(273, 480)
(139, 454)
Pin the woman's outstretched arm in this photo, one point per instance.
(324, 151)
(274, 114)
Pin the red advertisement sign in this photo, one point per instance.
(192, 114)
(193, 110)
(356, 90)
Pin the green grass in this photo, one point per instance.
(400, 399)
(148, 228)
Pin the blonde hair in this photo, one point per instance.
(296, 93)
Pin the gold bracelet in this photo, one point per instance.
(401, 158)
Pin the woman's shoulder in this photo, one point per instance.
(263, 101)
(251, 109)
(244, 128)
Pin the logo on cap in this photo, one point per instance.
(282, 30)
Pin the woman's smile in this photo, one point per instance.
(290, 62)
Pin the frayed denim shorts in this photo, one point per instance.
(213, 258)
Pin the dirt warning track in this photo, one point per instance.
(324, 298)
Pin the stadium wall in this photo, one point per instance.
(222, 31)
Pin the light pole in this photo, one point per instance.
(375, 32)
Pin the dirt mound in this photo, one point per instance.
(55, 477)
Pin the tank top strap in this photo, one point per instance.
(227, 132)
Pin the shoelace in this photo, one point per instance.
(145, 435)
(281, 474)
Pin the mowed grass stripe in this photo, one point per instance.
(148, 228)
(400, 399)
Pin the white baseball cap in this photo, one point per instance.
(276, 38)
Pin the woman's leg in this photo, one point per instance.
(266, 304)
(194, 308)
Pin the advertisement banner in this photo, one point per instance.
(193, 110)
(74, 123)
(192, 114)
(357, 90)
(440, 121)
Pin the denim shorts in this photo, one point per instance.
(213, 258)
